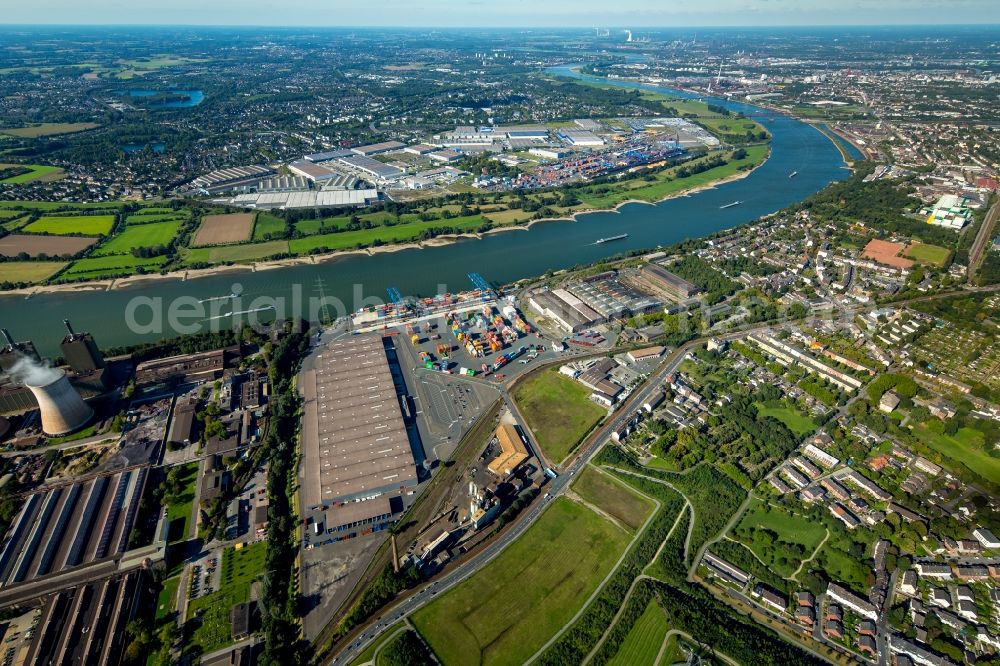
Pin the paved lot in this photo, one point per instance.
(329, 573)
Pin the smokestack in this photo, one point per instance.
(61, 407)
(69, 328)
(6, 334)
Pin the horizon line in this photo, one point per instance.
(494, 26)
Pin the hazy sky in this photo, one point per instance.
(586, 13)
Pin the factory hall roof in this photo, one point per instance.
(356, 441)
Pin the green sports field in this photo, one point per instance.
(559, 411)
(140, 235)
(89, 225)
(507, 610)
(932, 255)
(613, 497)
(643, 642)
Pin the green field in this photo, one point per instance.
(15, 223)
(29, 271)
(642, 644)
(239, 569)
(613, 497)
(789, 527)
(235, 253)
(47, 129)
(147, 218)
(140, 235)
(963, 449)
(797, 422)
(88, 225)
(507, 610)
(37, 172)
(932, 255)
(179, 513)
(61, 205)
(112, 266)
(369, 652)
(166, 602)
(267, 226)
(401, 233)
(558, 410)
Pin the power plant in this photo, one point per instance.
(61, 408)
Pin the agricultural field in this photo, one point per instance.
(15, 223)
(643, 642)
(613, 497)
(932, 255)
(223, 229)
(149, 215)
(268, 226)
(88, 225)
(36, 172)
(141, 235)
(559, 411)
(401, 233)
(47, 129)
(29, 271)
(97, 268)
(53, 246)
(235, 253)
(507, 610)
(61, 205)
(239, 570)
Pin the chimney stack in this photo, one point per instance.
(69, 329)
(6, 334)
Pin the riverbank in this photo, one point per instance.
(438, 241)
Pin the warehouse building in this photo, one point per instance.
(513, 452)
(548, 304)
(355, 440)
(379, 148)
(316, 173)
(580, 138)
(223, 180)
(69, 526)
(336, 193)
(661, 279)
(85, 624)
(371, 167)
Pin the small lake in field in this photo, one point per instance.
(138, 147)
(192, 97)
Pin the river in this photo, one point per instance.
(501, 257)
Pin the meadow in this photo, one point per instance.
(507, 610)
(559, 411)
(87, 225)
(143, 235)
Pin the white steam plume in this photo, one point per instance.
(27, 370)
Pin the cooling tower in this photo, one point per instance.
(61, 407)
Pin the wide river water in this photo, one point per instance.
(502, 257)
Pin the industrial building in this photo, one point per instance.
(513, 451)
(12, 351)
(356, 443)
(80, 351)
(611, 298)
(353, 519)
(379, 148)
(333, 195)
(316, 173)
(371, 167)
(69, 526)
(223, 180)
(580, 138)
(83, 624)
(205, 366)
(547, 304)
(61, 408)
(661, 279)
